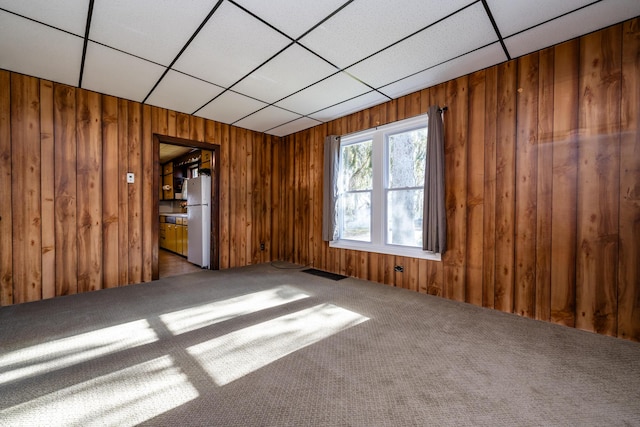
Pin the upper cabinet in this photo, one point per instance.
(174, 173)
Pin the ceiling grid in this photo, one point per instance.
(284, 65)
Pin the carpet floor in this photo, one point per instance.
(267, 346)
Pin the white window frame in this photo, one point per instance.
(378, 208)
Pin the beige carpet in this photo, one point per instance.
(263, 346)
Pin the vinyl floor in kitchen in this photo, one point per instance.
(171, 264)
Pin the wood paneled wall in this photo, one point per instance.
(542, 187)
(70, 223)
(542, 170)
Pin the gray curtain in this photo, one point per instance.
(330, 188)
(434, 220)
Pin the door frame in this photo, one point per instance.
(214, 250)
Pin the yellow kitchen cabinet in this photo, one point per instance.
(185, 241)
(167, 180)
(163, 233)
(205, 160)
(179, 236)
(172, 240)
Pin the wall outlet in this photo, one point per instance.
(130, 178)
(262, 246)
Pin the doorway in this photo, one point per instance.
(182, 143)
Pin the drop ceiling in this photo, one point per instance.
(280, 66)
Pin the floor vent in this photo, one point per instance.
(325, 274)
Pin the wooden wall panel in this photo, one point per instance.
(89, 190)
(25, 177)
(64, 101)
(598, 175)
(457, 125)
(248, 192)
(222, 133)
(110, 193)
(564, 183)
(629, 236)
(149, 194)
(475, 189)
(134, 192)
(505, 187)
(316, 173)
(489, 244)
(123, 192)
(544, 186)
(6, 226)
(526, 185)
(47, 190)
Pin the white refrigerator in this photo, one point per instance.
(199, 220)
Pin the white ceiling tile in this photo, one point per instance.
(230, 107)
(292, 70)
(267, 118)
(292, 17)
(295, 126)
(365, 27)
(356, 104)
(328, 92)
(68, 15)
(231, 45)
(40, 51)
(151, 29)
(512, 16)
(589, 19)
(115, 73)
(474, 61)
(428, 48)
(182, 93)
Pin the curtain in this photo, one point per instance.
(434, 219)
(330, 188)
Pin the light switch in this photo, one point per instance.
(130, 178)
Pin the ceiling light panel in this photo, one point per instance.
(266, 118)
(428, 48)
(356, 104)
(295, 126)
(476, 60)
(583, 21)
(151, 29)
(512, 16)
(292, 70)
(36, 50)
(333, 90)
(68, 15)
(230, 107)
(365, 27)
(231, 45)
(292, 17)
(115, 73)
(182, 93)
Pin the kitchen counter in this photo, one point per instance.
(176, 214)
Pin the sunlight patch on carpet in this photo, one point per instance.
(123, 398)
(64, 352)
(200, 316)
(239, 353)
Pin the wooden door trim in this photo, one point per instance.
(215, 196)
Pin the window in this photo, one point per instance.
(381, 188)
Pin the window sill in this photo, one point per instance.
(387, 250)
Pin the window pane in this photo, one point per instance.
(356, 166)
(356, 223)
(407, 151)
(404, 217)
